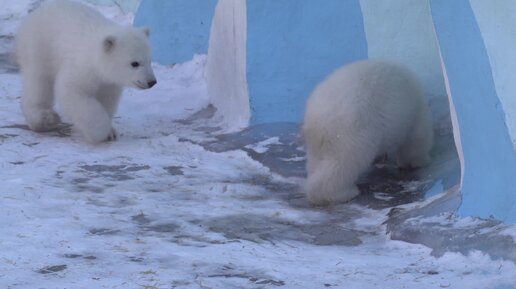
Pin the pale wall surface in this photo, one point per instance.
(403, 30)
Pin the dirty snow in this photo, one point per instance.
(171, 204)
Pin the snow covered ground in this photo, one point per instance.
(175, 204)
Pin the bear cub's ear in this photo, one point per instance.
(109, 43)
(145, 31)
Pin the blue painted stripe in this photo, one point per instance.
(489, 184)
(179, 28)
(292, 45)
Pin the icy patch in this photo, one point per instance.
(436, 189)
(294, 159)
(383, 196)
(263, 146)
(511, 231)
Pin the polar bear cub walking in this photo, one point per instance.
(67, 50)
(362, 110)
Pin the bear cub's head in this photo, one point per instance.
(126, 58)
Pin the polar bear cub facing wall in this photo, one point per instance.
(70, 51)
(363, 110)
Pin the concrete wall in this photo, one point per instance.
(489, 160)
(304, 45)
(288, 54)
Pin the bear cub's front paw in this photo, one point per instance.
(48, 120)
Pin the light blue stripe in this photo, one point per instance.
(179, 28)
(292, 45)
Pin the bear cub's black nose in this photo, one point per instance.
(151, 83)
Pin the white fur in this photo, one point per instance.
(359, 112)
(70, 51)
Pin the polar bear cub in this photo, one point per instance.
(70, 51)
(359, 112)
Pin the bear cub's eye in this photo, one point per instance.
(135, 64)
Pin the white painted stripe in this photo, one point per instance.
(454, 120)
(226, 66)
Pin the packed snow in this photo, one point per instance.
(175, 204)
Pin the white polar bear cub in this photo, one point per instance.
(71, 51)
(359, 112)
